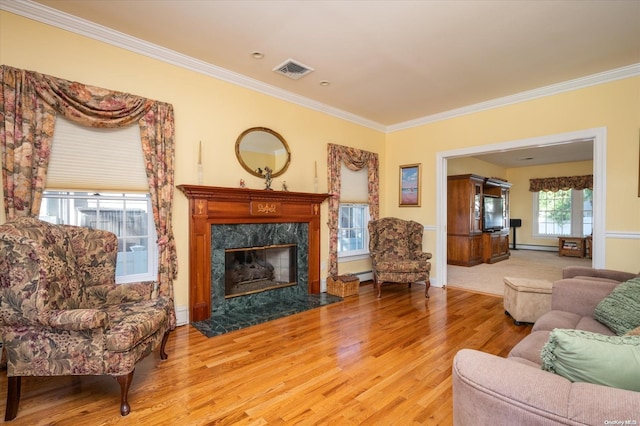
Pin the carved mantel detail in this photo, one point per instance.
(209, 205)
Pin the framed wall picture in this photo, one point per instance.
(410, 185)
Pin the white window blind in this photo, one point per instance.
(96, 159)
(354, 186)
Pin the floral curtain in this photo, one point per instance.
(29, 103)
(354, 159)
(555, 184)
(26, 131)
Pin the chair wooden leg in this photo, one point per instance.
(426, 289)
(379, 286)
(14, 383)
(163, 354)
(125, 382)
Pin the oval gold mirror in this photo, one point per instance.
(259, 147)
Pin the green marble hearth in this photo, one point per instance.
(225, 322)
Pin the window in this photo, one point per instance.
(96, 178)
(563, 213)
(353, 213)
(126, 215)
(353, 235)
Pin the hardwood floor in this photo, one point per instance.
(363, 361)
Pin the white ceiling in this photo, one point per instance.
(575, 150)
(388, 62)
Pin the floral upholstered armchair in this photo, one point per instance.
(395, 246)
(61, 312)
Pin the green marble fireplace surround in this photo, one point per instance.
(225, 237)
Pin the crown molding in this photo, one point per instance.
(554, 89)
(65, 21)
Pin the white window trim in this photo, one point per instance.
(577, 199)
(352, 255)
(348, 257)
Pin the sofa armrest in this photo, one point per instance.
(584, 271)
(580, 296)
(77, 319)
(488, 389)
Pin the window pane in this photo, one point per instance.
(566, 213)
(352, 228)
(554, 213)
(126, 215)
(587, 212)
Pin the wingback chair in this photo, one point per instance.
(395, 246)
(61, 312)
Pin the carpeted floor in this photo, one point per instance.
(488, 278)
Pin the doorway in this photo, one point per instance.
(599, 137)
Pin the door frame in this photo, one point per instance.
(599, 137)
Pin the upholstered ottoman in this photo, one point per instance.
(526, 299)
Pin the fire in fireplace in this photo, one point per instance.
(256, 269)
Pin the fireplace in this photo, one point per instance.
(252, 270)
(230, 220)
(235, 248)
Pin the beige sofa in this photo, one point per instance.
(488, 389)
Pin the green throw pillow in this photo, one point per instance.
(582, 356)
(620, 310)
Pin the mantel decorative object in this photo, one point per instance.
(266, 173)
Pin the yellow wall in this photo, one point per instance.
(216, 112)
(467, 165)
(206, 109)
(614, 105)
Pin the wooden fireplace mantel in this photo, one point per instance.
(209, 205)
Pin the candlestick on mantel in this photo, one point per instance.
(200, 164)
(315, 178)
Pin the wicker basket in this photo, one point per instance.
(343, 285)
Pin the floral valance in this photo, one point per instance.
(564, 183)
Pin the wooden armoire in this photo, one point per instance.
(467, 244)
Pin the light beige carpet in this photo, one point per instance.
(488, 278)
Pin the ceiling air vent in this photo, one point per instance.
(292, 69)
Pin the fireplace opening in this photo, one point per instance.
(257, 269)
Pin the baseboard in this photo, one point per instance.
(535, 247)
(182, 315)
(364, 276)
